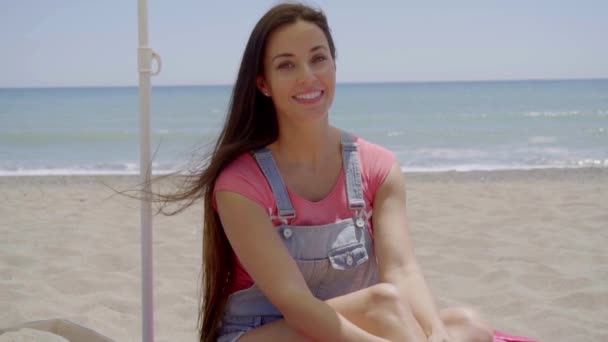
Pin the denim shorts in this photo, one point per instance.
(233, 327)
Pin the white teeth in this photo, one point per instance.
(309, 96)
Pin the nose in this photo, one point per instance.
(305, 75)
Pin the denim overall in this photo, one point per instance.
(335, 259)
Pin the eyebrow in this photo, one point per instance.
(286, 54)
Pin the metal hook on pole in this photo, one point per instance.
(145, 57)
(156, 57)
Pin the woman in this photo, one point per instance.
(292, 248)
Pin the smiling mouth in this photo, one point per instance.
(310, 97)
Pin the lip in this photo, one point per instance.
(309, 101)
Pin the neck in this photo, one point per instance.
(309, 145)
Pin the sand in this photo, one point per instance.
(525, 248)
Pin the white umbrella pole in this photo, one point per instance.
(145, 56)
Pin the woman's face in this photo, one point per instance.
(299, 72)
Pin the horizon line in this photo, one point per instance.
(338, 83)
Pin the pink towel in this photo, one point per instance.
(500, 336)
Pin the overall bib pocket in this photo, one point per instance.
(348, 257)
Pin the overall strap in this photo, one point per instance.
(273, 176)
(352, 172)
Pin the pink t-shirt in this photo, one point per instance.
(243, 176)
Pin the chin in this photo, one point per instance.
(321, 114)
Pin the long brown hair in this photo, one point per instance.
(251, 124)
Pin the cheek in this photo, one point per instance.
(280, 94)
(277, 82)
(329, 73)
(280, 91)
(329, 81)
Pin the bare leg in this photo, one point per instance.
(376, 309)
(465, 325)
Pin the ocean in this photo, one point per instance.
(433, 126)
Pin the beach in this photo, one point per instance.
(526, 248)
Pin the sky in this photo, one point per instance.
(94, 43)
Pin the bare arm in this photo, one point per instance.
(395, 254)
(260, 249)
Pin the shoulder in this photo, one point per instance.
(243, 166)
(244, 177)
(374, 158)
(376, 163)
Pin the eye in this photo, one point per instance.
(285, 65)
(319, 58)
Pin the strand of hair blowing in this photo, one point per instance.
(218, 258)
(251, 124)
(240, 135)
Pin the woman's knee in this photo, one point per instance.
(390, 314)
(468, 323)
(386, 303)
(385, 294)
